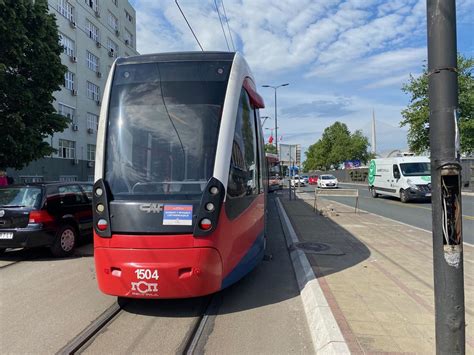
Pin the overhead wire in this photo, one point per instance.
(228, 27)
(222, 25)
(182, 13)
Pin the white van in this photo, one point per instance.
(404, 177)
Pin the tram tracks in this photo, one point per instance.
(192, 341)
(13, 259)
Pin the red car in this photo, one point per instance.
(313, 180)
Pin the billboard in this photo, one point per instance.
(352, 164)
(287, 152)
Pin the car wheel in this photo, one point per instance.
(404, 196)
(65, 241)
(373, 193)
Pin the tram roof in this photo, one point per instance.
(177, 56)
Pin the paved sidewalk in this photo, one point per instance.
(376, 275)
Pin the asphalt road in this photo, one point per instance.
(415, 213)
(46, 302)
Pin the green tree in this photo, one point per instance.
(336, 145)
(416, 115)
(270, 148)
(30, 71)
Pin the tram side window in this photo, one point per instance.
(243, 173)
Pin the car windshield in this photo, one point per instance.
(328, 177)
(415, 169)
(20, 197)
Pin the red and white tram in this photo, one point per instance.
(179, 194)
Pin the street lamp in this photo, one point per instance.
(276, 119)
(264, 118)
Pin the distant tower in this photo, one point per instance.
(374, 148)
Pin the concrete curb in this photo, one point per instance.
(325, 333)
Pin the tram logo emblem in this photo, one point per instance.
(151, 207)
(144, 287)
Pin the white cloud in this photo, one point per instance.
(333, 52)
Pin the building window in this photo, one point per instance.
(128, 16)
(67, 178)
(112, 21)
(67, 149)
(93, 91)
(92, 62)
(112, 47)
(67, 111)
(68, 45)
(93, 4)
(92, 31)
(92, 122)
(66, 9)
(128, 39)
(69, 80)
(27, 179)
(91, 152)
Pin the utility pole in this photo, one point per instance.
(445, 178)
(276, 112)
(374, 148)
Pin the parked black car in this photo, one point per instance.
(45, 214)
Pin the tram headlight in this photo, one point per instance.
(210, 207)
(205, 224)
(100, 208)
(102, 224)
(214, 190)
(99, 192)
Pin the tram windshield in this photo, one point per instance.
(163, 127)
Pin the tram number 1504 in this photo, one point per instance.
(146, 274)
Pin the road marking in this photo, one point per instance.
(396, 203)
(425, 208)
(396, 221)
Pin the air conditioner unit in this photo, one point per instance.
(127, 42)
(73, 59)
(98, 44)
(111, 53)
(72, 23)
(99, 74)
(75, 127)
(90, 130)
(74, 92)
(98, 102)
(90, 164)
(75, 161)
(117, 33)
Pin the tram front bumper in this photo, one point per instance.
(158, 273)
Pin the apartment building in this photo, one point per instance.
(93, 33)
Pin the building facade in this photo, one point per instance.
(93, 33)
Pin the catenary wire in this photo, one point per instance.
(222, 25)
(228, 27)
(182, 13)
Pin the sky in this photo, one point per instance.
(343, 60)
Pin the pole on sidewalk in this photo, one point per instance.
(446, 178)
